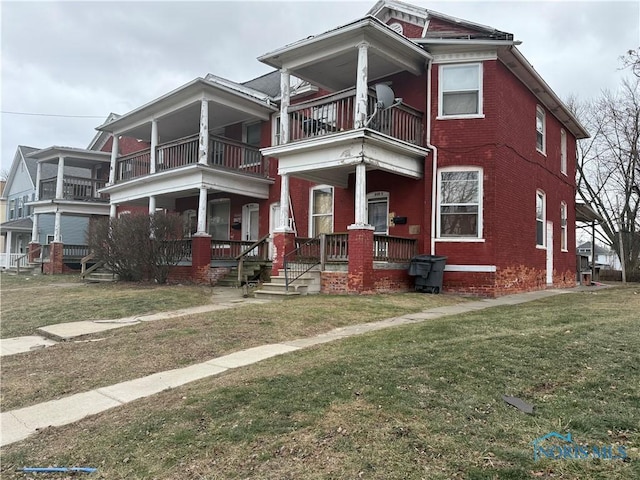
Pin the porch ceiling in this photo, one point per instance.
(330, 60)
(178, 112)
(330, 160)
(73, 157)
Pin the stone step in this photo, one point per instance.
(281, 280)
(275, 295)
(280, 287)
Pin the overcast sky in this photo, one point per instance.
(91, 58)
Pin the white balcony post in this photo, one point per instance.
(285, 96)
(114, 159)
(154, 145)
(284, 205)
(35, 237)
(113, 208)
(202, 212)
(361, 195)
(57, 237)
(361, 86)
(152, 204)
(203, 147)
(8, 246)
(38, 180)
(60, 178)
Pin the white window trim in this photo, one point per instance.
(276, 137)
(564, 231)
(311, 231)
(479, 237)
(480, 113)
(544, 220)
(209, 210)
(563, 151)
(540, 110)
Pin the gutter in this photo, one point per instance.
(434, 163)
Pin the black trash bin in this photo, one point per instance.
(428, 270)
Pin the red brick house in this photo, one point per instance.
(471, 156)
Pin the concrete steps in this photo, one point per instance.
(309, 283)
(32, 268)
(101, 275)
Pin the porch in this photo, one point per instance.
(74, 188)
(223, 153)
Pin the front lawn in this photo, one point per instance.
(422, 401)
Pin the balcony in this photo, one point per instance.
(74, 188)
(224, 154)
(335, 113)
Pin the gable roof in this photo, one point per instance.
(101, 138)
(20, 157)
(268, 83)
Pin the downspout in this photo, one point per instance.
(434, 163)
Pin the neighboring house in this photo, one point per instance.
(18, 191)
(3, 213)
(606, 259)
(404, 132)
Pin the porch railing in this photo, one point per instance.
(13, 260)
(334, 113)
(74, 188)
(223, 153)
(394, 249)
(308, 254)
(233, 249)
(251, 252)
(74, 252)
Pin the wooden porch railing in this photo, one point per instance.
(334, 113)
(74, 188)
(223, 153)
(84, 271)
(394, 249)
(72, 252)
(233, 249)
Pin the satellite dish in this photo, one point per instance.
(385, 96)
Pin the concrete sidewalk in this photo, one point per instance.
(221, 299)
(16, 425)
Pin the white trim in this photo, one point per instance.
(379, 197)
(480, 90)
(542, 245)
(470, 268)
(466, 168)
(462, 57)
(564, 231)
(563, 151)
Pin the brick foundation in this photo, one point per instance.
(34, 252)
(283, 243)
(55, 265)
(200, 258)
(360, 279)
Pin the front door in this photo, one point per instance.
(250, 225)
(549, 253)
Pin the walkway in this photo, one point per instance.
(20, 423)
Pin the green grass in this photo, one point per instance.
(50, 299)
(422, 401)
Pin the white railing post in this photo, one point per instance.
(285, 95)
(202, 212)
(284, 204)
(57, 236)
(38, 180)
(203, 146)
(60, 178)
(114, 159)
(361, 86)
(154, 145)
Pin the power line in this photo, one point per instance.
(51, 115)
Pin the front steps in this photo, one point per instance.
(276, 289)
(32, 268)
(101, 275)
(250, 270)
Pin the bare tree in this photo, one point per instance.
(608, 168)
(632, 60)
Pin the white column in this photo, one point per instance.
(361, 86)
(60, 178)
(152, 204)
(361, 195)
(202, 212)
(154, 144)
(114, 159)
(8, 246)
(35, 238)
(38, 180)
(284, 205)
(57, 236)
(285, 96)
(203, 149)
(112, 210)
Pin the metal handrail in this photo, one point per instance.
(240, 258)
(303, 263)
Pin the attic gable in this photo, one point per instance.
(443, 27)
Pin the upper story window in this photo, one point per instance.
(12, 209)
(460, 92)
(460, 203)
(563, 151)
(540, 130)
(276, 138)
(540, 219)
(251, 135)
(321, 217)
(563, 227)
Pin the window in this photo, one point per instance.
(460, 203)
(219, 213)
(321, 210)
(275, 130)
(20, 203)
(540, 219)
(563, 227)
(12, 209)
(460, 90)
(540, 130)
(378, 211)
(563, 151)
